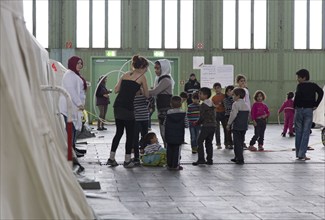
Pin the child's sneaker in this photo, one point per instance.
(194, 150)
(230, 147)
(252, 148)
(129, 164)
(283, 134)
(291, 135)
(260, 148)
(219, 146)
(136, 162)
(112, 163)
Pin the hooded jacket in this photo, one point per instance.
(175, 124)
(207, 114)
(163, 88)
(191, 87)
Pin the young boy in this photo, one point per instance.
(193, 115)
(239, 120)
(208, 121)
(175, 124)
(305, 103)
(217, 100)
(141, 114)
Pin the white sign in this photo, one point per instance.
(211, 74)
(217, 61)
(198, 62)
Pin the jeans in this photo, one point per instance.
(102, 115)
(140, 127)
(220, 117)
(239, 137)
(303, 121)
(259, 131)
(206, 135)
(194, 132)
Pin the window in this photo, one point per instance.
(39, 26)
(171, 24)
(308, 24)
(105, 17)
(244, 24)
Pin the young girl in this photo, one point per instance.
(259, 113)
(289, 113)
(242, 83)
(227, 102)
(154, 153)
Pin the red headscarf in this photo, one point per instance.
(72, 64)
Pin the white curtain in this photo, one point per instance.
(36, 181)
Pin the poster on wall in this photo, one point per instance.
(211, 74)
(198, 62)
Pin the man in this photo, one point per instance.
(163, 90)
(305, 103)
(191, 87)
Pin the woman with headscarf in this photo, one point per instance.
(102, 101)
(126, 89)
(163, 91)
(76, 86)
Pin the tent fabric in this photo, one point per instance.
(36, 180)
(319, 113)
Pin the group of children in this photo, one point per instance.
(231, 109)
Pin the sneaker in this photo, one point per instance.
(245, 147)
(129, 164)
(219, 146)
(194, 150)
(240, 162)
(81, 151)
(230, 147)
(252, 148)
(100, 129)
(198, 163)
(104, 128)
(283, 134)
(179, 168)
(111, 163)
(303, 158)
(78, 154)
(291, 134)
(210, 162)
(233, 160)
(310, 148)
(260, 148)
(136, 162)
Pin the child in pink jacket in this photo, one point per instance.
(289, 113)
(259, 113)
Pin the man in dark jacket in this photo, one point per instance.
(191, 87)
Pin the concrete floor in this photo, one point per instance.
(271, 185)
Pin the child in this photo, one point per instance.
(242, 83)
(175, 124)
(208, 121)
(154, 153)
(193, 114)
(227, 102)
(217, 100)
(259, 113)
(239, 120)
(141, 115)
(289, 113)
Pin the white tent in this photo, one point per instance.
(319, 113)
(36, 181)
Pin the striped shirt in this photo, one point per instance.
(141, 110)
(193, 113)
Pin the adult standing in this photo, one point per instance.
(163, 90)
(76, 86)
(305, 103)
(191, 86)
(102, 101)
(127, 87)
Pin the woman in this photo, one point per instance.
(163, 90)
(102, 101)
(76, 86)
(126, 88)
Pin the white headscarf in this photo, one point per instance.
(165, 69)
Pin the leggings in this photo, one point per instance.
(129, 126)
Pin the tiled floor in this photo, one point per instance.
(271, 185)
